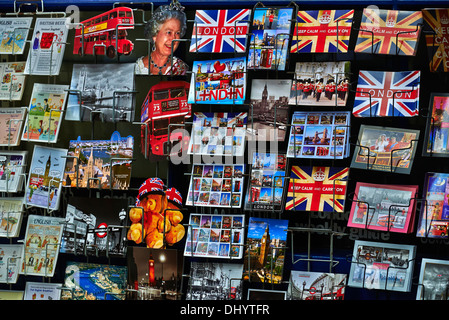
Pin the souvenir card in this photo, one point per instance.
(265, 250)
(95, 226)
(11, 124)
(96, 35)
(383, 207)
(12, 170)
(387, 94)
(382, 266)
(322, 31)
(41, 249)
(13, 80)
(320, 84)
(267, 180)
(10, 261)
(437, 127)
(164, 111)
(389, 32)
(223, 281)
(42, 291)
(215, 236)
(216, 185)
(221, 81)
(45, 113)
(385, 149)
(317, 189)
(220, 31)
(218, 134)
(103, 164)
(434, 217)
(103, 90)
(14, 33)
(437, 41)
(92, 281)
(11, 295)
(307, 285)
(47, 46)
(261, 294)
(269, 109)
(11, 215)
(155, 273)
(433, 279)
(270, 35)
(319, 135)
(46, 173)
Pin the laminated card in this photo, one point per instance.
(437, 41)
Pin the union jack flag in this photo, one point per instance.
(220, 30)
(317, 189)
(316, 31)
(389, 32)
(437, 43)
(387, 94)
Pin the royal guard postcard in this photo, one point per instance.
(218, 134)
(308, 285)
(14, 33)
(265, 190)
(322, 31)
(437, 128)
(383, 207)
(221, 81)
(385, 149)
(390, 32)
(387, 94)
(321, 84)
(216, 185)
(215, 236)
(270, 36)
(103, 164)
(220, 31)
(319, 135)
(317, 189)
(434, 217)
(45, 113)
(382, 266)
(437, 41)
(269, 109)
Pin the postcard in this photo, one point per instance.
(14, 31)
(437, 127)
(270, 36)
(12, 170)
(385, 149)
(11, 216)
(11, 123)
(42, 291)
(383, 207)
(433, 279)
(317, 189)
(322, 31)
(45, 113)
(13, 80)
(10, 262)
(216, 185)
(308, 285)
(215, 236)
(319, 135)
(437, 41)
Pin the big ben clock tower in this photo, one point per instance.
(264, 246)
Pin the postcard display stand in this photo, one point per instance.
(297, 157)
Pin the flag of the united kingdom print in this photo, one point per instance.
(389, 32)
(387, 94)
(220, 30)
(319, 31)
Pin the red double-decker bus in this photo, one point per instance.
(165, 104)
(100, 33)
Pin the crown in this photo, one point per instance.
(390, 22)
(325, 18)
(445, 20)
(319, 175)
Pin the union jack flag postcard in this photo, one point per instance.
(319, 31)
(220, 31)
(389, 32)
(317, 189)
(387, 94)
(385, 149)
(270, 34)
(437, 42)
